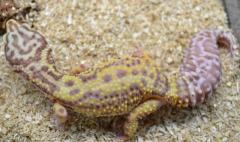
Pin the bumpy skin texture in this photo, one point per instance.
(132, 85)
(200, 72)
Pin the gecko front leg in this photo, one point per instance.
(60, 113)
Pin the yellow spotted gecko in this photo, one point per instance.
(132, 85)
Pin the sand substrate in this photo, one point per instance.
(95, 31)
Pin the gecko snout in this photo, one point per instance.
(12, 25)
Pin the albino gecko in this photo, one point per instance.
(132, 85)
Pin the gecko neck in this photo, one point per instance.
(43, 74)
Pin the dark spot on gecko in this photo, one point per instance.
(32, 68)
(128, 65)
(144, 72)
(54, 75)
(134, 86)
(113, 94)
(24, 43)
(15, 37)
(86, 78)
(92, 77)
(22, 34)
(105, 97)
(96, 93)
(34, 45)
(33, 36)
(121, 73)
(107, 78)
(87, 94)
(110, 103)
(91, 105)
(135, 72)
(196, 77)
(190, 79)
(83, 78)
(151, 75)
(136, 62)
(44, 68)
(103, 105)
(49, 57)
(74, 92)
(11, 54)
(144, 82)
(69, 83)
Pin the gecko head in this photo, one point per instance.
(22, 44)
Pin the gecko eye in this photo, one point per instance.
(35, 44)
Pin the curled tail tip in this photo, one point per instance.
(227, 40)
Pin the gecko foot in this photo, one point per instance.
(60, 114)
(78, 69)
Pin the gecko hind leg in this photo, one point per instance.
(146, 108)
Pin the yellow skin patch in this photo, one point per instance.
(114, 89)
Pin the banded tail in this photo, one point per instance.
(200, 72)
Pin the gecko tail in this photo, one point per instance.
(201, 70)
